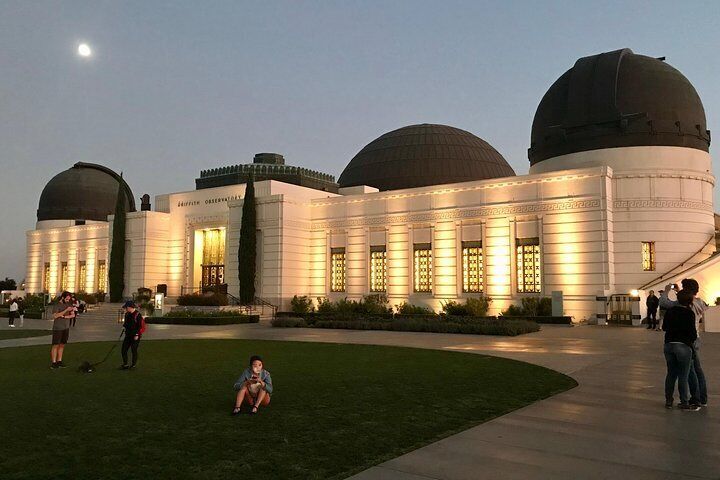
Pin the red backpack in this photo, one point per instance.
(143, 326)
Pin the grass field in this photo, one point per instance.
(336, 410)
(22, 333)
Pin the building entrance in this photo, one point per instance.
(213, 257)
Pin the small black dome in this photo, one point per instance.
(618, 99)
(421, 155)
(84, 192)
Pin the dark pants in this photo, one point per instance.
(130, 343)
(652, 319)
(11, 318)
(73, 320)
(678, 357)
(696, 378)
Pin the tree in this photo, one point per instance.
(8, 284)
(247, 246)
(116, 273)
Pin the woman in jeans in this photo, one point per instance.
(680, 334)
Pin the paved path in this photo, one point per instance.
(613, 426)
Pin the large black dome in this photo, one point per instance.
(421, 155)
(84, 192)
(618, 99)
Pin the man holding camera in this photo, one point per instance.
(63, 312)
(696, 378)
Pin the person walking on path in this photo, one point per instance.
(253, 386)
(76, 306)
(62, 314)
(21, 311)
(652, 304)
(696, 378)
(680, 334)
(12, 312)
(134, 326)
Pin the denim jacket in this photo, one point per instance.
(248, 373)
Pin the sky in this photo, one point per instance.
(175, 86)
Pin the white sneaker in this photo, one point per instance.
(12, 326)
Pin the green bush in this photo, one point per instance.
(325, 305)
(34, 301)
(530, 307)
(89, 298)
(147, 307)
(451, 307)
(301, 304)
(476, 326)
(202, 300)
(200, 313)
(407, 308)
(478, 306)
(207, 320)
(289, 322)
(29, 313)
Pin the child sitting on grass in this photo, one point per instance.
(253, 386)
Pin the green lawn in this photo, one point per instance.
(337, 409)
(22, 333)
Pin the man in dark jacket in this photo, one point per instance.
(133, 325)
(652, 303)
(680, 334)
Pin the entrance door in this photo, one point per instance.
(213, 259)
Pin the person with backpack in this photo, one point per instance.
(12, 313)
(134, 326)
(680, 335)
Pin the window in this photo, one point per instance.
(648, 256)
(472, 263)
(82, 277)
(213, 257)
(46, 277)
(528, 265)
(423, 267)
(378, 269)
(337, 270)
(63, 276)
(102, 277)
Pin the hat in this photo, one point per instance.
(129, 304)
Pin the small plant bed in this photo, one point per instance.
(336, 410)
(190, 317)
(414, 323)
(22, 333)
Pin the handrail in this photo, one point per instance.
(657, 279)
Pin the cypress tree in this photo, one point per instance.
(247, 246)
(116, 273)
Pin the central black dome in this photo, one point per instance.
(618, 99)
(422, 155)
(84, 192)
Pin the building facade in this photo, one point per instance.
(619, 195)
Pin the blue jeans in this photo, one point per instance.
(696, 378)
(679, 358)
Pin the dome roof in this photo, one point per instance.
(618, 99)
(84, 192)
(421, 155)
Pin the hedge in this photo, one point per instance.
(229, 320)
(438, 324)
(548, 320)
(33, 314)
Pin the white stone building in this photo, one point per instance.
(619, 197)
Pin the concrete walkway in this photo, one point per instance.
(613, 426)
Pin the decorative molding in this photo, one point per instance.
(459, 214)
(681, 204)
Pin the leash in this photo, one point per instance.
(111, 349)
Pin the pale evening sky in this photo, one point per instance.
(177, 86)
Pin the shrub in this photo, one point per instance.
(200, 313)
(376, 303)
(408, 309)
(34, 301)
(451, 307)
(530, 307)
(206, 320)
(477, 326)
(143, 295)
(479, 306)
(301, 304)
(325, 305)
(202, 300)
(89, 298)
(147, 307)
(289, 322)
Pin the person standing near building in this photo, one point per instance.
(680, 335)
(62, 314)
(134, 326)
(12, 312)
(696, 377)
(652, 304)
(21, 311)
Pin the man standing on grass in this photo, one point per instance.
(62, 313)
(134, 326)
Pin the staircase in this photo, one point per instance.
(103, 312)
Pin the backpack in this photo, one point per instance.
(143, 326)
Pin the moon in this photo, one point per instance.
(84, 50)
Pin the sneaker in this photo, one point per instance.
(686, 407)
(12, 326)
(124, 367)
(669, 404)
(54, 366)
(60, 364)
